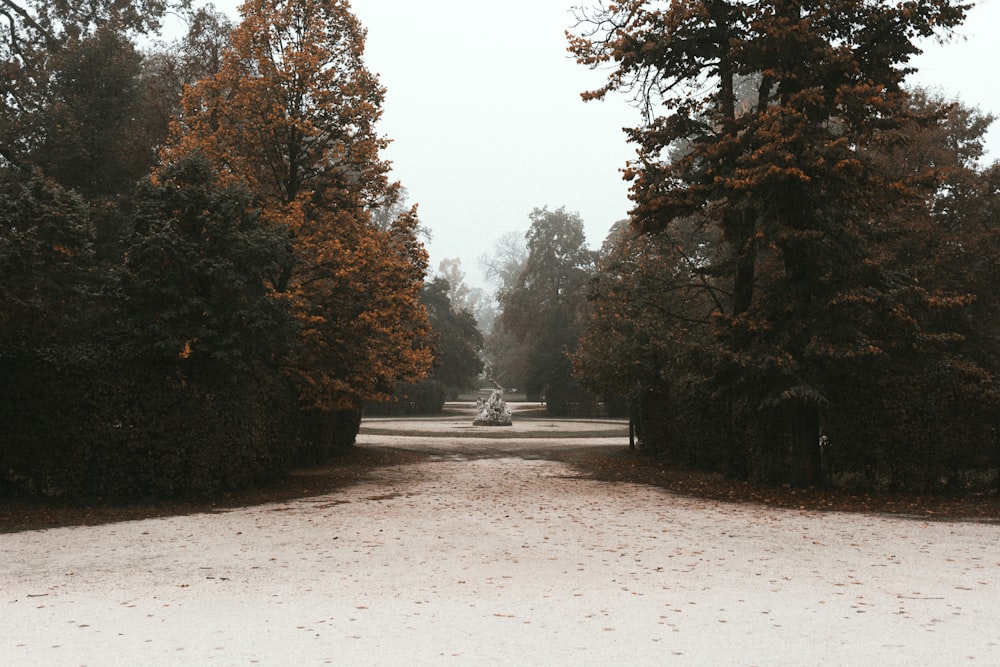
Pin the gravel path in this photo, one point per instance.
(489, 554)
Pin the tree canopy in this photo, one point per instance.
(543, 305)
(769, 126)
(37, 36)
(291, 115)
(202, 252)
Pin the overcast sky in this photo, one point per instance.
(483, 108)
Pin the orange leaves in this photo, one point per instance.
(291, 115)
(63, 250)
(187, 350)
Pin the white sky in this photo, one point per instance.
(484, 111)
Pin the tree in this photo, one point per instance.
(651, 307)
(291, 115)
(47, 264)
(196, 278)
(36, 34)
(167, 68)
(555, 271)
(91, 120)
(465, 297)
(809, 224)
(506, 357)
(48, 289)
(201, 50)
(541, 310)
(505, 264)
(156, 378)
(458, 341)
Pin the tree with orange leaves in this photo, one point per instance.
(767, 124)
(291, 115)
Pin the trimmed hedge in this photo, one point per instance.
(937, 432)
(77, 430)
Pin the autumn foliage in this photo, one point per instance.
(241, 303)
(797, 280)
(291, 115)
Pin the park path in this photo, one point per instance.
(488, 553)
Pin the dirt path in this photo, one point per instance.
(488, 553)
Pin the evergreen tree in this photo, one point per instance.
(766, 121)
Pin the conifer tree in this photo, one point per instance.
(763, 120)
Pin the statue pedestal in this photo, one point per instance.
(491, 422)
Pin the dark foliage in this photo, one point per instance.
(418, 398)
(809, 294)
(543, 308)
(151, 344)
(90, 428)
(457, 363)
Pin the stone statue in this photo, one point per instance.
(492, 411)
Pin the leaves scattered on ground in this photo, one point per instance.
(611, 463)
(622, 465)
(353, 467)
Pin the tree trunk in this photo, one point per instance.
(804, 457)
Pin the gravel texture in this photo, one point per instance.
(485, 551)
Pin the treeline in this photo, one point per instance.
(807, 292)
(206, 273)
(543, 279)
(205, 269)
(457, 344)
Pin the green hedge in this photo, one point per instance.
(81, 430)
(77, 430)
(938, 431)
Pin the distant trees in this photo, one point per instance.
(40, 45)
(466, 297)
(90, 125)
(458, 341)
(542, 308)
(780, 134)
(457, 344)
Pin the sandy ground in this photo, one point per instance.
(490, 554)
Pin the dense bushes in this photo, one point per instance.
(420, 398)
(932, 433)
(161, 377)
(225, 318)
(86, 429)
(813, 250)
(95, 426)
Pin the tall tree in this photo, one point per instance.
(91, 120)
(167, 68)
(196, 278)
(457, 340)
(542, 309)
(651, 305)
(464, 296)
(291, 114)
(762, 118)
(506, 357)
(38, 31)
